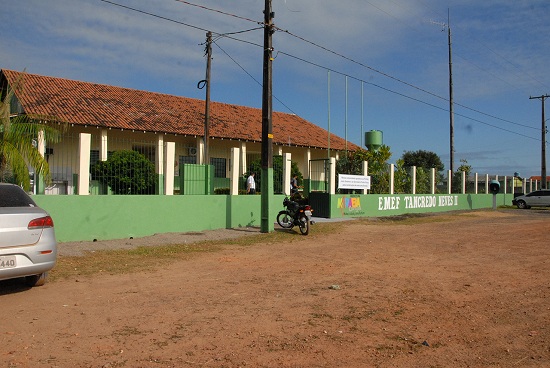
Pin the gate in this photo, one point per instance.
(318, 186)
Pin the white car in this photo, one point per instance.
(538, 198)
(27, 239)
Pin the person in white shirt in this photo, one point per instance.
(251, 184)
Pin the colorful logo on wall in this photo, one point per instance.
(347, 205)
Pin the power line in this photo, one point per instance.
(400, 80)
(221, 12)
(405, 96)
(227, 35)
(251, 76)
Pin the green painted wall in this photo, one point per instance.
(372, 205)
(102, 217)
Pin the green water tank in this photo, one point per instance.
(373, 140)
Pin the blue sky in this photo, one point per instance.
(393, 53)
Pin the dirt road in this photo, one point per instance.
(452, 290)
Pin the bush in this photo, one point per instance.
(126, 172)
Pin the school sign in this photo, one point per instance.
(359, 205)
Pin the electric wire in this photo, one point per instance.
(251, 76)
(406, 96)
(400, 80)
(227, 35)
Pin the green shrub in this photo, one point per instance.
(126, 172)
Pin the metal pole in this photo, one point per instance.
(543, 181)
(328, 139)
(451, 114)
(362, 116)
(207, 108)
(267, 118)
(346, 124)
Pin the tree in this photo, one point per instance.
(126, 172)
(378, 166)
(421, 158)
(457, 176)
(18, 141)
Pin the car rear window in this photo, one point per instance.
(14, 196)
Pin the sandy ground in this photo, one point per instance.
(461, 290)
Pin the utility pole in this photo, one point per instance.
(208, 53)
(451, 113)
(543, 149)
(267, 121)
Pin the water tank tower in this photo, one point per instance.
(373, 140)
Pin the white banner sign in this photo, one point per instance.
(353, 182)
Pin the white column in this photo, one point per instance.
(200, 151)
(433, 183)
(41, 144)
(242, 168)
(486, 183)
(476, 180)
(413, 179)
(84, 144)
(287, 167)
(103, 149)
(365, 173)
(234, 171)
(305, 166)
(159, 155)
(464, 182)
(449, 181)
(332, 176)
(392, 177)
(170, 157)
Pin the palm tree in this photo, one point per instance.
(18, 136)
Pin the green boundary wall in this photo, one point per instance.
(351, 205)
(88, 218)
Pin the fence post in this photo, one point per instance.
(40, 185)
(365, 173)
(463, 182)
(159, 165)
(169, 159)
(413, 179)
(103, 152)
(486, 183)
(476, 181)
(287, 169)
(234, 172)
(84, 144)
(392, 177)
(332, 176)
(449, 181)
(433, 184)
(242, 160)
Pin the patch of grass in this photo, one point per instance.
(150, 258)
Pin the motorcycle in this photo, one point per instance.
(295, 214)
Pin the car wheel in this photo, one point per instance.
(522, 205)
(36, 280)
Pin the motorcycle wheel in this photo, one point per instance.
(284, 220)
(304, 225)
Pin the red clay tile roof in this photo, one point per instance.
(83, 103)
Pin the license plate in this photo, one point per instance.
(308, 213)
(8, 262)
